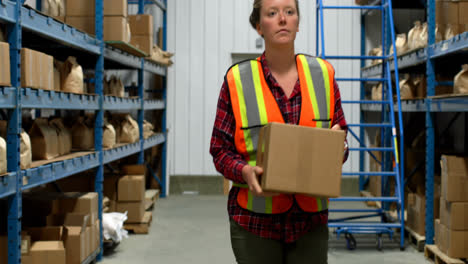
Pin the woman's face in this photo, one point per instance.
(279, 21)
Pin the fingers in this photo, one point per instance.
(336, 127)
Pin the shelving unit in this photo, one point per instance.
(454, 50)
(22, 20)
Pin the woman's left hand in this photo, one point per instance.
(337, 127)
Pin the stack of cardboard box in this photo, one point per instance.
(116, 26)
(451, 231)
(141, 27)
(452, 14)
(64, 228)
(81, 14)
(131, 193)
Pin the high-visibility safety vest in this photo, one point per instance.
(254, 106)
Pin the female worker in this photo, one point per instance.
(265, 227)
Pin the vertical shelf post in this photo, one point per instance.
(141, 111)
(164, 175)
(13, 140)
(430, 72)
(99, 123)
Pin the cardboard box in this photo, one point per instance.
(25, 247)
(48, 233)
(37, 70)
(143, 43)
(26, 259)
(116, 29)
(131, 188)
(462, 13)
(454, 178)
(95, 236)
(75, 219)
(75, 244)
(83, 23)
(46, 252)
(416, 219)
(437, 237)
(82, 203)
(75, 238)
(136, 210)
(292, 162)
(447, 12)
(110, 186)
(5, 74)
(454, 215)
(134, 169)
(57, 82)
(115, 8)
(80, 8)
(453, 243)
(141, 25)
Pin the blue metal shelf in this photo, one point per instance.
(7, 185)
(121, 57)
(154, 105)
(53, 29)
(154, 141)
(453, 45)
(7, 12)
(58, 170)
(456, 44)
(118, 103)
(7, 97)
(121, 152)
(449, 104)
(155, 68)
(117, 153)
(44, 99)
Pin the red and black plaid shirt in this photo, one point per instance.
(289, 226)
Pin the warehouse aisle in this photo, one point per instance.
(194, 229)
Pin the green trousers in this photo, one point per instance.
(248, 248)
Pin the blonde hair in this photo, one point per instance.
(255, 15)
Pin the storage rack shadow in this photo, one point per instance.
(27, 27)
(445, 56)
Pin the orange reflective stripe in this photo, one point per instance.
(239, 137)
(274, 113)
(331, 76)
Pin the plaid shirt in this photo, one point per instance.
(286, 227)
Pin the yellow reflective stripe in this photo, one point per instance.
(396, 150)
(310, 87)
(319, 204)
(259, 92)
(252, 162)
(243, 111)
(327, 85)
(268, 205)
(250, 201)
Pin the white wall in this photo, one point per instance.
(204, 34)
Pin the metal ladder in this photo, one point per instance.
(392, 158)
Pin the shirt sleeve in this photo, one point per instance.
(339, 118)
(226, 158)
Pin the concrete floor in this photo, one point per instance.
(194, 229)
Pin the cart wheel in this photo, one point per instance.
(379, 242)
(350, 241)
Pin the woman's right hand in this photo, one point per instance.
(251, 176)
